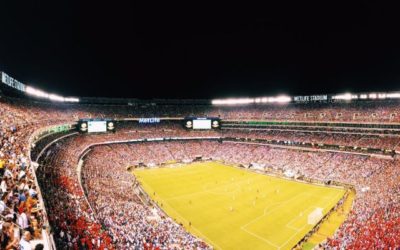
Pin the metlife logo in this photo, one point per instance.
(149, 120)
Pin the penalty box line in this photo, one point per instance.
(304, 212)
(299, 230)
(278, 205)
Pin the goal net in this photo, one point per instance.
(315, 216)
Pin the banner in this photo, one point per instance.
(11, 82)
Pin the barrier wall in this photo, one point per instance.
(48, 239)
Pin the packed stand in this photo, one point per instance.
(21, 215)
(373, 223)
(376, 210)
(74, 222)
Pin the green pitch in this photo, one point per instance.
(232, 208)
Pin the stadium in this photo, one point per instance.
(137, 125)
(279, 172)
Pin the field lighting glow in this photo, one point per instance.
(286, 99)
(53, 97)
(238, 101)
(393, 95)
(346, 96)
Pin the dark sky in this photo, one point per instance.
(198, 50)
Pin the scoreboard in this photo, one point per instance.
(96, 125)
(202, 124)
(197, 123)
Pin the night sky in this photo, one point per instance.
(199, 50)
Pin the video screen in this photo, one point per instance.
(97, 126)
(201, 124)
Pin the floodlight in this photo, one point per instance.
(393, 95)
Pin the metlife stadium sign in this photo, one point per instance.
(310, 98)
(11, 82)
(15, 84)
(149, 120)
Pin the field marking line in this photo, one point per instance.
(179, 215)
(236, 183)
(276, 206)
(260, 238)
(301, 229)
(291, 237)
(295, 218)
(195, 229)
(297, 231)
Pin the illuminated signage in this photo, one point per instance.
(13, 83)
(310, 98)
(149, 120)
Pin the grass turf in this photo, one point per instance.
(232, 208)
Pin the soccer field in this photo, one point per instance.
(232, 208)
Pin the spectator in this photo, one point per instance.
(24, 243)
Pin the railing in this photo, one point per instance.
(47, 236)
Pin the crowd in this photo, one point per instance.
(374, 222)
(377, 111)
(77, 223)
(21, 215)
(390, 142)
(131, 223)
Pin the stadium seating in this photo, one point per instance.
(88, 221)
